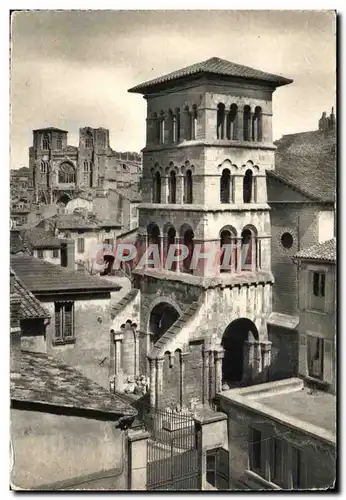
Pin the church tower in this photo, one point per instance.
(198, 328)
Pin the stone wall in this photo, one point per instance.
(284, 352)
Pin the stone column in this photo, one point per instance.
(182, 399)
(159, 380)
(164, 189)
(136, 346)
(253, 252)
(219, 354)
(257, 359)
(249, 358)
(137, 442)
(146, 240)
(240, 124)
(177, 264)
(211, 377)
(238, 264)
(118, 368)
(180, 189)
(205, 376)
(266, 358)
(161, 250)
(238, 189)
(152, 388)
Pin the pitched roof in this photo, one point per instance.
(30, 308)
(215, 66)
(41, 276)
(308, 161)
(40, 238)
(325, 251)
(44, 379)
(80, 221)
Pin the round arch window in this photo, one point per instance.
(287, 240)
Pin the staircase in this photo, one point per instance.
(126, 300)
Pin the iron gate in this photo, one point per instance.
(172, 456)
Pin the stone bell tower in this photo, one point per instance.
(208, 146)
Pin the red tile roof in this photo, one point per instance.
(30, 308)
(308, 161)
(42, 277)
(45, 380)
(215, 66)
(325, 251)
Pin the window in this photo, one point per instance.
(315, 350)
(319, 280)
(231, 131)
(317, 297)
(287, 240)
(55, 253)
(220, 131)
(217, 467)
(172, 187)
(59, 142)
(44, 167)
(276, 461)
(109, 241)
(225, 186)
(256, 451)
(247, 187)
(157, 188)
(45, 142)
(188, 187)
(257, 124)
(177, 124)
(40, 254)
(162, 129)
(64, 322)
(247, 242)
(80, 244)
(88, 140)
(296, 469)
(86, 166)
(67, 173)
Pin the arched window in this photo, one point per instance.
(156, 129)
(172, 126)
(153, 238)
(194, 122)
(162, 128)
(177, 122)
(220, 131)
(232, 133)
(45, 142)
(225, 186)
(228, 254)
(257, 124)
(43, 167)
(188, 187)
(89, 140)
(59, 142)
(86, 166)
(247, 123)
(170, 240)
(247, 187)
(247, 244)
(157, 188)
(67, 174)
(172, 187)
(87, 173)
(188, 237)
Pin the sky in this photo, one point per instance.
(71, 69)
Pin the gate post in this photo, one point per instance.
(137, 443)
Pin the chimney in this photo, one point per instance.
(67, 254)
(15, 331)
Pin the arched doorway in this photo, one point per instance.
(233, 342)
(63, 199)
(161, 319)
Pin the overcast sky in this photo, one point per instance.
(73, 69)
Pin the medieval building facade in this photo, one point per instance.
(194, 329)
(59, 171)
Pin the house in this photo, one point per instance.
(302, 195)
(282, 436)
(43, 244)
(79, 307)
(317, 314)
(58, 416)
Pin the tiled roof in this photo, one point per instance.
(40, 238)
(44, 379)
(41, 276)
(78, 221)
(325, 251)
(30, 308)
(308, 161)
(216, 66)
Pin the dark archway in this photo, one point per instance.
(63, 199)
(161, 319)
(233, 342)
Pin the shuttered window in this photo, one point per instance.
(80, 245)
(64, 322)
